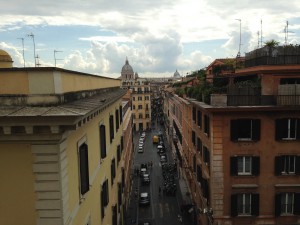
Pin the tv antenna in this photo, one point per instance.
(23, 50)
(261, 34)
(32, 36)
(239, 53)
(37, 60)
(55, 59)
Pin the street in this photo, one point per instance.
(163, 208)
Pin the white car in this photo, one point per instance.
(141, 149)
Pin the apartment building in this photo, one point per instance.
(241, 150)
(141, 105)
(64, 148)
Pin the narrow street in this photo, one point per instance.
(163, 208)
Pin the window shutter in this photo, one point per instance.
(256, 130)
(234, 210)
(122, 143)
(117, 120)
(102, 202)
(111, 127)
(277, 204)
(278, 165)
(298, 129)
(297, 203)
(279, 129)
(297, 164)
(102, 141)
(255, 204)
(199, 119)
(255, 165)
(233, 166)
(121, 114)
(234, 130)
(84, 169)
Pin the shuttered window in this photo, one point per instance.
(287, 129)
(111, 128)
(118, 154)
(245, 130)
(244, 204)
(117, 120)
(199, 118)
(84, 169)
(287, 203)
(287, 165)
(113, 170)
(194, 114)
(102, 141)
(244, 165)
(121, 114)
(104, 197)
(194, 138)
(206, 125)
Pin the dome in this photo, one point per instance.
(127, 69)
(176, 75)
(4, 56)
(5, 59)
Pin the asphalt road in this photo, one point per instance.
(162, 209)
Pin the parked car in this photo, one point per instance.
(144, 199)
(146, 179)
(163, 158)
(141, 149)
(155, 139)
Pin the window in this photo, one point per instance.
(194, 138)
(122, 143)
(199, 173)
(140, 116)
(244, 165)
(199, 146)
(140, 98)
(104, 197)
(140, 107)
(244, 204)
(113, 170)
(194, 114)
(199, 118)
(206, 125)
(147, 115)
(118, 154)
(287, 129)
(114, 215)
(133, 98)
(119, 196)
(287, 203)
(206, 155)
(102, 141)
(147, 98)
(111, 128)
(121, 114)
(83, 168)
(117, 119)
(133, 107)
(287, 164)
(245, 130)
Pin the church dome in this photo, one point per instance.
(176, 75)
(5, 59)
(127, 69)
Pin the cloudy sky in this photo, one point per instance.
(157, 36)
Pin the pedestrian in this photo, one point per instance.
(151, 164)
(159, 190)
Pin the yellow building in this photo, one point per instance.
(141, 105)
(62, 153)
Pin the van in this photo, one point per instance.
(155, 139)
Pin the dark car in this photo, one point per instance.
(144, 199)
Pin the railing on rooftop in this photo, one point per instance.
(279, 55)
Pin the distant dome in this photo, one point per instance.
(127, 69)
(176, 75)
(136, 75)
(5, 59)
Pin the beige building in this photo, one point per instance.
(64, 152)
(141, 106)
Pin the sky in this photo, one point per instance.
(157, 37)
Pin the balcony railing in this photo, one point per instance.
(260, 100)
(141, 92)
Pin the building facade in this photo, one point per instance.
(240, 153)
(64, 148)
